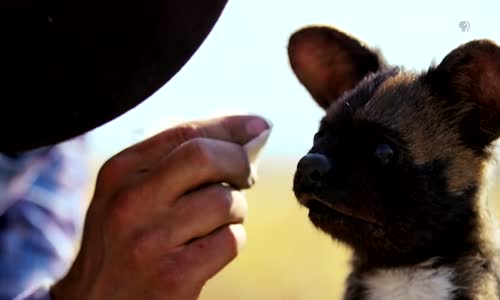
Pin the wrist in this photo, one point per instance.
(60, 292)
(69, 287)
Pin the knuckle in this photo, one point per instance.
(186, 132)
(199, 150)
(222, 197)
(141, 247)
(122, 208)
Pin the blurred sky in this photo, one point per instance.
(243, 66)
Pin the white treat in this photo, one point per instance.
(253, 149)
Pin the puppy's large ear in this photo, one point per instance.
(328, 62)
(470, 74)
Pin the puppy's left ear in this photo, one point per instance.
(470, 74)
(329, 62)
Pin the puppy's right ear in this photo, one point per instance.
(328, 62)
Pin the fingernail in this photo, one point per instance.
(239, 234)
(253, 176)
(257, 126)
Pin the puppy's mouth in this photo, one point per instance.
(336, 211)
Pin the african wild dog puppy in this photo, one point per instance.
(397, 168)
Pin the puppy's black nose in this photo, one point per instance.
(313, 167)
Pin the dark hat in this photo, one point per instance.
(69, 66)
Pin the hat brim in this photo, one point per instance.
(68, 67)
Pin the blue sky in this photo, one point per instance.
(243, 67)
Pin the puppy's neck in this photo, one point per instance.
(419, 282)
(471, 272)
(471, 277)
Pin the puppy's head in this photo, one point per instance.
(396, 166)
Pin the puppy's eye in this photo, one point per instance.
(384, 153)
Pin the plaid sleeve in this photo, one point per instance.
(42, 207)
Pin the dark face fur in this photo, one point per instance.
(397, 164)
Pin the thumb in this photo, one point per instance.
(238, 129)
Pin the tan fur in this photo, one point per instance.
(484, 286)
(434, 140)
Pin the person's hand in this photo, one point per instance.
(161, 222)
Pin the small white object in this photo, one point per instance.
(254, 148)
